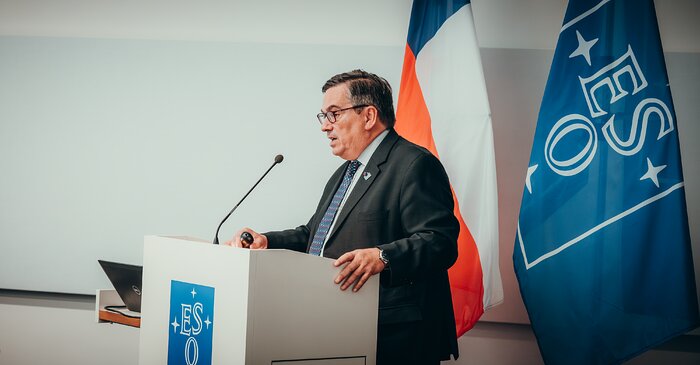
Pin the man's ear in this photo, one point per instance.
(372, 118)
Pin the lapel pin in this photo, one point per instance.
(366, 175)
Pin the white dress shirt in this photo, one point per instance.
(363, 159)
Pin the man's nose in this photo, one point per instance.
(326, 125)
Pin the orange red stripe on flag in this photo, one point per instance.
(466, 277)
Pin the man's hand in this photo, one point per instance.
(259, 240)
(361, 265)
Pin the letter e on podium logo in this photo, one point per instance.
(191, 324)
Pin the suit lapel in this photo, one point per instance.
(373, 168)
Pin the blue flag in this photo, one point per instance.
(602, 250)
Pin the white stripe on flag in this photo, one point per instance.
(449, 71)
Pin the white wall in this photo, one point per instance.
(60, 330)
(104, 141)
(517, 39)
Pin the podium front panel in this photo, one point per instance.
(225, 269)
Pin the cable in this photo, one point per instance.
(113, 309)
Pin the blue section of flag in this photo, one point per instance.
(602, 250)
(191, 324)
(427, 16)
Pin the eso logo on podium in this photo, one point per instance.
(191, 324)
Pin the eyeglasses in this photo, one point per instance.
(332, 116)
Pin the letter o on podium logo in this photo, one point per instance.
(191, 351)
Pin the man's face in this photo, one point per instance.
(348, 136)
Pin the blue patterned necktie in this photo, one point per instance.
(325, 224)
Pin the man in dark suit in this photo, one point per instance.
(387, 210)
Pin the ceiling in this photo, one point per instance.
(529, 24)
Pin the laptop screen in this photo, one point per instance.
(126, 279)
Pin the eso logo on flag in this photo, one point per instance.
(607, 81)
(191, 324)
(616, 113)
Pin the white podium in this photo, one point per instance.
(263, 307)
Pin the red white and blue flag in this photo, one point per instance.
(444, 107)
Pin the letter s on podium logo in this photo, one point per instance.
(191, 324)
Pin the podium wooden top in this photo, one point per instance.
(113, 317)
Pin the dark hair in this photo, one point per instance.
(367, 88)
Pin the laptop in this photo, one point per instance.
(126, 279)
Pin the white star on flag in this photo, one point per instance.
(530, 171)
(208, 322)
(175, 324)
(652, 172)
(584, 48)
(193, 293)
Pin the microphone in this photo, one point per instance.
(278, 159)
